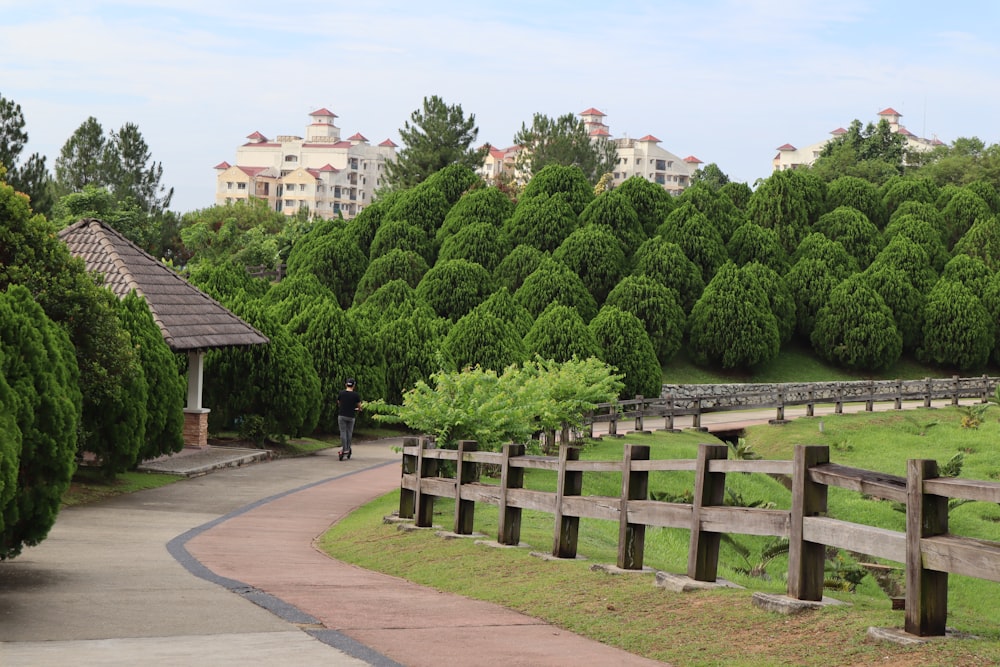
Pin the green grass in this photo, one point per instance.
(89, 485)
(719, 627)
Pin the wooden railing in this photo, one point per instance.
(669, 407)
(926, 549)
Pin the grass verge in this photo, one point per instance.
(89, 485)
(717, 627)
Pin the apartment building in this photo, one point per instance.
(321, 172)
(642, 157)
(790, 157)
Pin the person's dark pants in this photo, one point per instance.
(346, 432)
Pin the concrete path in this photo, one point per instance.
(221, 570)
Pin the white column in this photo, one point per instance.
(196, 366)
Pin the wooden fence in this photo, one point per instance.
(926, 549)
(784, 395)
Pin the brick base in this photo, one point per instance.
(196, 428)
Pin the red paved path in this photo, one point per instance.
(272, 548)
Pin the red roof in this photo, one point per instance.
(839, 131)
(388, 143)
(593, 112)
(692, 160)
(252, 171)
(650, 137)
(357, 136)
(787, 147)
(889, 111)
(600, 132)
(256, 136)
(936, 142)
(222, 165)
(903, 131)
(328, 167)
(323, 112)
(497, 154)
(262, 144)
(339, 144)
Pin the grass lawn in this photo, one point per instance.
(717, 627)
(89, 485)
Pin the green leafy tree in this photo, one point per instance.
(454, 287)
(410, 345)
(276, 383)
(902, 253)
(245, 231)
(701, 243)
(958, 332)
(227, 282)
(990, 299)
(394, 265)
(164, 428)
(753, 243)
(988, 191)
(819, 246)
(899, 189)
(133, 173)
(364, 225)
(852, 229)
(970, 271)
(424, 207)
(482, 340)
(738, 193)
(83, 159)
(718, 208)
(651, 202)
(666, 263)
(779, 203)
(779, 297)
(455, 180)
(657, 307)
(339, 349)
(924, 211)
(482, 205)
(41, 412)
(982, 242)
(334, 259)
(555, 179)
(810, 281)
(902, 298)
(92, 202)
(436, 136)
(595, 254)
(710, 175)
(732, 296)
(519, 263)
(560, 333)
(503, 305)
(401, 235)
(624, 345)
(543, 221)
(858, 194)
(552, 282)
(855, 328)
(30, 176)
(873, 152)
(921, 232)
(613, 211)
(294, 294)
(480, 242)
(390, 301)
(564, 141)
(961, 212)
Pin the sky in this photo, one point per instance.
(727, 81)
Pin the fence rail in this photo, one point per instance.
(694, 401)
(927, 551)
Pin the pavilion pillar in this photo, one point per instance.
(195, 416)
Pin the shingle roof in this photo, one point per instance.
(188, 318)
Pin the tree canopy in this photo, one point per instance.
(565, 141)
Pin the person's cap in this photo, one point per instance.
(350, 382)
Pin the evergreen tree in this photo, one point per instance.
(396, 264)
(957, 332)
(503, 305)
(480, 339)
(41, 412)
(542, 222)
(902, 298)
(625, 346)
(657, 307)
(855, 328)
(593, 253)
(30, 176)
(614, 212)
(858, 194)
(564, 141)
(560, 334)
(921, 232)
(849, 226)
(454, 287)
(483, 205)
(718, 208)
(753, 243)
(779, 203)
(666, 263)
(898, 190)
(334, 259)
(455, 180)
(962, 211)
(553, 179)
(552, 282)
(982, 242)
(480, 242)
(810, 281)
(650, 201)
(437, 135)
(520, 263)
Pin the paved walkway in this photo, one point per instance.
(113, 584)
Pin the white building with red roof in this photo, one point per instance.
(790, 157)
(323, 173)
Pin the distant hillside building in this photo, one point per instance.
(790, 157)
(636, 157)
(327, 175)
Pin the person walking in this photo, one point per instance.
(348, 406)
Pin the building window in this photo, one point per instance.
(241, 186)
(229, 185)
(289, 203)
(660, 165)
(660, 180)
(291, 158)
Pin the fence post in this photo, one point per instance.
(927, 394)
(407, 497)
(640, 406)
(779, 416)
(465, 472)
(613, 423)
(588, 424)
(696, 419)
(926, 516)
(899, 394)
(811, 405)
(806, 559)
(570, 483)
(509, 530)
(709, 489)
(668, 419)
(954, 390)
(635, 486)
(424, 502)
(839, 409)
(870, 403)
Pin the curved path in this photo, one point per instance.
(113, 584)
